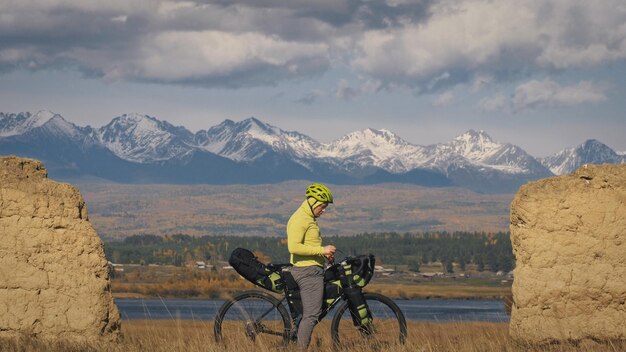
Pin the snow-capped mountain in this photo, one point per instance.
(373, 148)
(483, 151)
(140, 148)
(144, 139)
(590, 152)
(19, 124)
(250, 139)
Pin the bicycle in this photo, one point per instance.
(260, 317)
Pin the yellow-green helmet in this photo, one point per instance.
(319, 192)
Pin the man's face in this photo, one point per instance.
(319, 210)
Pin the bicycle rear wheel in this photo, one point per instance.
(252, 318)
(387, 329)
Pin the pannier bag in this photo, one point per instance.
(293, 296)
(357, 305)
(247, 265)
(353, 290)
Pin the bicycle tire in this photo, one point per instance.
(255, 317)
(388, 327)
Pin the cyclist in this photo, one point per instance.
(307, 256)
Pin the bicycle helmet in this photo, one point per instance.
(319, 192)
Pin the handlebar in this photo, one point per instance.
(351, 260)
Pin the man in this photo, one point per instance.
(307, 256)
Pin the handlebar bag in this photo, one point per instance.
(363, 269)
(249, 267)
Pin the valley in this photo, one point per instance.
(118, 211)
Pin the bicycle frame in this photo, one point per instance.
(325, 307)
(289, 317)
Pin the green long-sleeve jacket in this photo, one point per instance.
(303, 237)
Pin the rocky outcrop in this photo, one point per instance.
(54, 280)
(569, 241)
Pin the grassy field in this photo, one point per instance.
(474, 289)
(197, 336)
(224, 289)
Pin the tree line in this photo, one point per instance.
(487, 251)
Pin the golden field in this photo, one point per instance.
(117, 211)
(197, 336)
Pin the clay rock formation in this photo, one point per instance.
(54, 281)
(569, 240)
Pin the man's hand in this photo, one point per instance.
(329, 250)
(329, 253)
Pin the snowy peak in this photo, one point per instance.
(483, 151)
(256, 127)
(380, 142)
(41, 118)
(141, 138)
(251, 138)
(19, 124)
(13, 124)
(589, 152)
(475, 145)
(138, 138)
(375, 148)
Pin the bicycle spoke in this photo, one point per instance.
(385, 331)
(251, 319)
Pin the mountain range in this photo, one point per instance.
(135, 148)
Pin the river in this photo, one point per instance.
(432, 310)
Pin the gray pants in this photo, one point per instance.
(310, 279)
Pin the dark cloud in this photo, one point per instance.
(427, 45)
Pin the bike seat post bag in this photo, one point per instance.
(360, 312)
(247, 265)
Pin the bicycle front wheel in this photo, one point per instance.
(252, 318)
(388, 326)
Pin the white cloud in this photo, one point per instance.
(371, 86)
(207, 57)
(428, 46)
(312, 97)
(480, 81)
(547, 93)
(180, 42)
(345, 91)
(495, 103)
(168, 7)
(506, 36)
(119, 19)
(443, 99)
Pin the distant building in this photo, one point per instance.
(382, 271)
(432, 275)
(119, 268)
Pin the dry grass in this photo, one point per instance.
(196, 336)
(440, 290)
(120, 210)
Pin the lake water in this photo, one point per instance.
(433, 310)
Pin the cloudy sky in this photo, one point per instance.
(542, 74)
